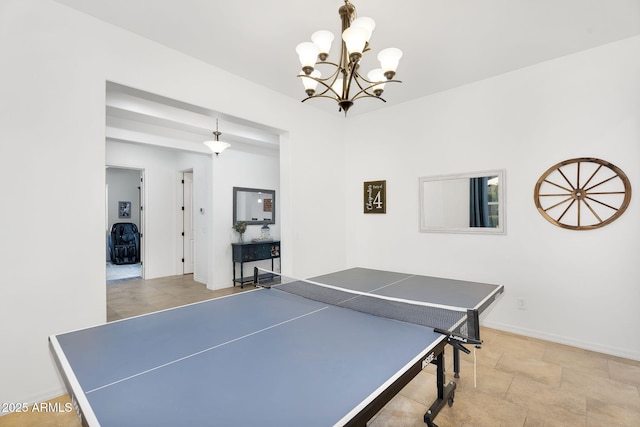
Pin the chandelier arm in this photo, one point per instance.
(320, 96)
(328, 89)
(323, 81)
(372, 83)
(328, 63)
(364, 92)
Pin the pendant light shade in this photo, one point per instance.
(216, 145)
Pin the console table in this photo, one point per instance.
(253, 251)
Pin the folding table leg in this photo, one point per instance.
(446, 392)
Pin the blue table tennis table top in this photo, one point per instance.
(260, 357)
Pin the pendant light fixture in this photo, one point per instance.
(216, 145)
(344, 83)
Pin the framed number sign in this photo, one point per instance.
(375, 197)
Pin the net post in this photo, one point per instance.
(473, 319)
(255, 276)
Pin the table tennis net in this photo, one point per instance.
(458, 320)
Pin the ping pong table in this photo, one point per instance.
(270, 356)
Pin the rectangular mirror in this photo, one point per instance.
(463, 203)
(254, 205)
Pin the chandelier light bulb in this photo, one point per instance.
(366, 24)
(377, 75)
(307, 53)
(310, 84)
(389, 59)
(323, 39)
(355, 39)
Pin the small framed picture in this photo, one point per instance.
(124, 209)
(375, 197)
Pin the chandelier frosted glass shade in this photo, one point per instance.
(355, 39)
(343, 82)
(307, 53)
(377, 75)
(389, 59)
(323, 40)
(310, 84)
(365, 23)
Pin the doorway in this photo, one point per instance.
(124, 223)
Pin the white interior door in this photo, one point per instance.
(187, 223)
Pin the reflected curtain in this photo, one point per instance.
(479, 202)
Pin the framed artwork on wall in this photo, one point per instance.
(375, 197)
(124, 209)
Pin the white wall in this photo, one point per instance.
(580, 287)
(55, 64)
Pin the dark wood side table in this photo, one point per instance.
(250, 252)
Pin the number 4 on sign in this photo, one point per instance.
(378, 200)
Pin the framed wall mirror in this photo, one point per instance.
(463, 203)
(254, 205)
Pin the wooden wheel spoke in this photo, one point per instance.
(566, 179)
(559, 186)
(592, 211)
(602, 203)
(600, 193)
(591, 177)
(558, 204)
(601, 182)
(566, 210)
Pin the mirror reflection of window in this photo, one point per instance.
(483, 201)
(493, 201)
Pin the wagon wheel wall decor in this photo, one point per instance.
(582, 194)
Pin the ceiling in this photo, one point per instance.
(446, 43)
(139, 117)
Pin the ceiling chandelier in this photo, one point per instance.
(344, 83)
(216, 145)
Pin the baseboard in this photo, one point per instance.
(612, 351)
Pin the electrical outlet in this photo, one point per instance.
(521, 304)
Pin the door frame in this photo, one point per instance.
(143, 210)
(181, 211)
